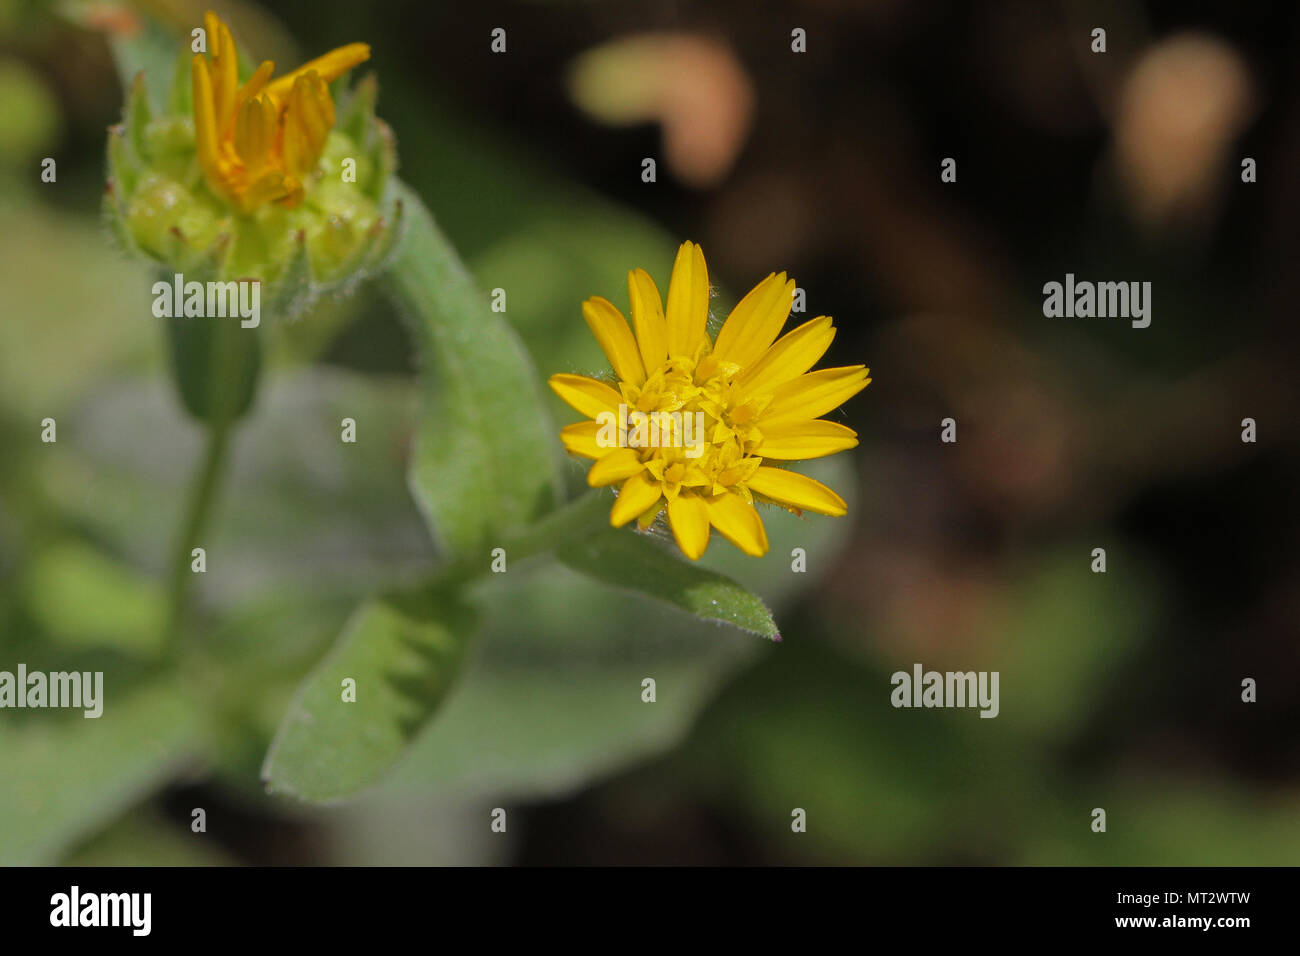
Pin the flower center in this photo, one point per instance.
(706, 435)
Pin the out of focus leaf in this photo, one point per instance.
(30, 122)
(553, 701)
(1065, 632)
(402, 652)
(812, 729)
(65, 775)
(1148, 820)
(932, 782)
(58, 317)
(302, 510)
(83, 598)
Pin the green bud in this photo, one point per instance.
(160, 206)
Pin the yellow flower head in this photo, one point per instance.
(258, 142)
(692, 424)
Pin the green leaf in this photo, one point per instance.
(638, 562)
(544, 709)
(81, 597)
(65, 775)
(486, 458)
(47, 299)
(403, 652)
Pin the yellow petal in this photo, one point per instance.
(648, 319)
(797, 491)
(271, 185)
(688, 301)
(580, 439)
(212, 27)
(789, 357)
(638, 494)
(794, 441)
(256, 83)
(615, 466)
(813, 395)
(205, 122)
(756, 321)
(329, 67)
(738, 522)
(314, 117)
(324, 107)
(255, 133)
(318, 108)
(292, 146)
(616, 340)
(585, 395)
(226, 60)
(689, 517)
(308, 118)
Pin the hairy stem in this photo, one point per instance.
(203, 496)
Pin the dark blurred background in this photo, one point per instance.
(1120, 691)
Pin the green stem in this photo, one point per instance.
(583, 515)
(224, 360)
(203, 495)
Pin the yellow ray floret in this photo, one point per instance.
(690, 424)
(258, 143)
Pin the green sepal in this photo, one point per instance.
(180, 96)
(138, 114)
(216, 362)
(293, 290)
(124, 169)
(383, 157)
(378, 145)
(216, 365)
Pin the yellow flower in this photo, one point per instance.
(258, 142)
(752, 392)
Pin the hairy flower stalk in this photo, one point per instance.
(702, 429)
